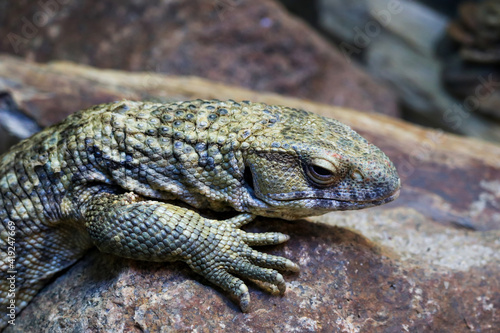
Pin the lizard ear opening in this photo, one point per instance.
(248, 177)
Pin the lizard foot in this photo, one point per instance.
(227, 257)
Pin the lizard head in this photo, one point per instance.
(305, 165)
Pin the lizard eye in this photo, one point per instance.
(321, 172)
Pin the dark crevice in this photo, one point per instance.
(248, 177)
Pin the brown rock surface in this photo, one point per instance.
(348, 283)
(254, 44)
(429, 261)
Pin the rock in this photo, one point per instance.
(471, 50)
(477, 30)
(306, 10)
(253, 44)
(397, 43)
(49, 96)
(14, 125)
(376, 271)
(340, 18)
(85, 86)
(427, 262)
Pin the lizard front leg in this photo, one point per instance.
(130, 226)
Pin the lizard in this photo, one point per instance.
(133, 179)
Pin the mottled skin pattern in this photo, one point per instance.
(114, 176)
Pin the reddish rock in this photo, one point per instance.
(253, 44)
(453, 179)
(428, 262)
(348, 283)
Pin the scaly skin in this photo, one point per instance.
(112, 176)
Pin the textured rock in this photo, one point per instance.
(397, 41)
(254, 44)
(378, 271)
(429, 261)
(73, 87)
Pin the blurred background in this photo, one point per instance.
(434, 63)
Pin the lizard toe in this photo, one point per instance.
(272, 261)
(246, 269)
(231, 284)
(240, 220)
(265, 238)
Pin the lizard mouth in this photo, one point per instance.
(297, 196)
(314, 205)
(391, 197)
(353, 204)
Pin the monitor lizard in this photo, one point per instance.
(133, 179)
